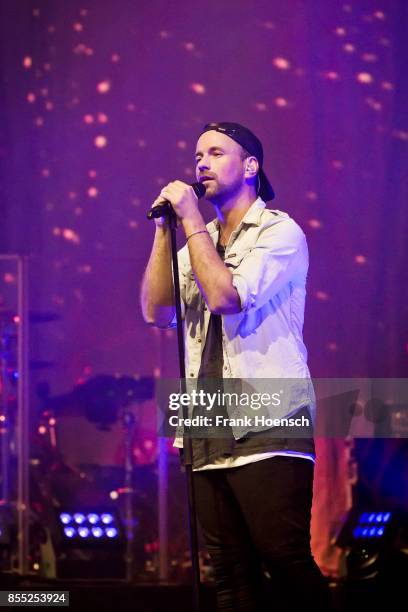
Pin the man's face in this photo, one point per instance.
(220, 160)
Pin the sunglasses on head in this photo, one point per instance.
(219, 128)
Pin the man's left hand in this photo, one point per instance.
(183, 200)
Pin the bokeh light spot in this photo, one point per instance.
(103, 87)
(93, 192)
(281, 102)
(387, 86)
(374, 104)
(364, 77)
(331, 75)
(70, 235)
(349, 47)
(198, 88)
(100, 141)
(369, 57)
(9, 278)
(281, 63)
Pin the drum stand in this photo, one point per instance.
(129, 423)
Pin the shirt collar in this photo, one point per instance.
(251, 217)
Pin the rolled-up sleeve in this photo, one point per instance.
(278, 257)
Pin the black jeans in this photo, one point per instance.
(256, 518)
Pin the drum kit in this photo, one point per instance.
(85, 470)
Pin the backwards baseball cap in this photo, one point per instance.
(247, 139)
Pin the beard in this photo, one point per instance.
(217, 192)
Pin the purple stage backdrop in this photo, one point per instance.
(102, 103)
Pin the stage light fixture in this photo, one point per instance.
(111, 532)
(65, 518)
(370, 541)
(92, 526)
(97, 532)
(89, 543)
(70, 532)
(107, 519)
(372, 525)
(93, 518)
(79, 518)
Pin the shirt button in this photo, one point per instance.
(192, 375)
(225, 368)
(198, 339)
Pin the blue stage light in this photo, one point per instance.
(111, 532)
(90, 526)
(79, 518)
(106, 518)
(97, 532)
(371, 525)
(93, 518)
(83, 532)
(65, 518)
(70, 532)
(374, 517)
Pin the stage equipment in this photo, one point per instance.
(81, 528)
(101, 398)
(371, 540)
(104, 407)
(21, 318)
(166, 210)
(88, 543)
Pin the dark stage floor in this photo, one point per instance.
(118, 596)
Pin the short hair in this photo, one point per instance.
(244, 153)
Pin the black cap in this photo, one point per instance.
(247, 139)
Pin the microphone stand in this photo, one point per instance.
(187, 441)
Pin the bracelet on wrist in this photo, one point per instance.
(195, 233)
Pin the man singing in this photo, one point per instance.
(242, 284)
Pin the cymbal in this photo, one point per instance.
(102, 397)
(10, 316)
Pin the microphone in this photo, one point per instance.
(161, 210)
